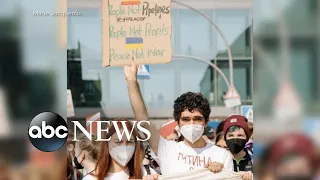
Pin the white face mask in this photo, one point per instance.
(192, 132)
(122, 154)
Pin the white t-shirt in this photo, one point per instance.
(122, 175)
(176, 157)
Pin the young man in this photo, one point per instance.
(191, 111)
(236, 134)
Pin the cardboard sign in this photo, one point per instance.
(70, 107)
(136, 28)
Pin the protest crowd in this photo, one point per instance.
(186, 153)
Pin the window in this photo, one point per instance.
(235, 25)
(90, 88)
(195, 34)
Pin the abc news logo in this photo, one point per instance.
(48, 131)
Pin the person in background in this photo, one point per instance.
(220, 142)
(219, 128)
(236, 134)
(86, 155)
(293, 156)
(174, 136)
(121, 159)
(249, 144)
(250, 126)
(206, 138)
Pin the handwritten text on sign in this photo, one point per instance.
(196, 161)
(140, 29)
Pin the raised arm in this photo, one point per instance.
(137, 103)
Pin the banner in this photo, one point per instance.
(136, 28)
(203, 174)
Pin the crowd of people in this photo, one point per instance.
(184, 151)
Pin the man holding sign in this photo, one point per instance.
(191, 111)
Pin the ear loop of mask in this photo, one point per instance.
(178, 131)
(78, 156)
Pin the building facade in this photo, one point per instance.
(192, 35)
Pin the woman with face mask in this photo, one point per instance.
(121, 159)
(236, 134)
(86, 155)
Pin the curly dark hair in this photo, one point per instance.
(191, 101)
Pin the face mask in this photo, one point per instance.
(122, 154)
(236, 145)
(295, 177)
(76, 163)
(192, 132)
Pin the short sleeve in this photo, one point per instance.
(162, 146)
(165, 147)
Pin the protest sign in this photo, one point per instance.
(136, 28)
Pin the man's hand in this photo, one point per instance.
(215, 167)
(151, 177)
(130, 72)
(246, 175)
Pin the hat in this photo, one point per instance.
(236, 120)
(294, 143)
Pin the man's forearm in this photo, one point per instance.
(136, 100)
